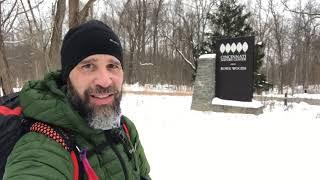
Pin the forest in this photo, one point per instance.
(163, 39)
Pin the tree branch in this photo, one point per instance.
(12, 22)
(181, 54)
(299, 12)
(9, 26)
(28, 20)
(10, 12)
(34, 19)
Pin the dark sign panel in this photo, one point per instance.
(234, 68)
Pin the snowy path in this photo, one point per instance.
(184, 144)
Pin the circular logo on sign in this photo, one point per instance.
(228, 48)
(245, 46)
(239, 47)
(222, 48)
(233, 47)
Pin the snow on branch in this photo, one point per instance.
(179, 51)
(146, 64)
(15, 42)
(185, 59)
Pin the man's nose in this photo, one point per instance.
(103, 78)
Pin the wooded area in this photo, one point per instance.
(162, 39)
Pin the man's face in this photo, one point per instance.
(94, 89)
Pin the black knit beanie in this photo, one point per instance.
(92, 37)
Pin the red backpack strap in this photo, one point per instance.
(75, 163)
(60, 137)
(6, 111)
(10, 105)
(126, 130)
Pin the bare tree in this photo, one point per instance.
(77, 17)
(56, 35)
(36, 38)
(160, 38)
(316, 14)
(156, 11)
(278, 33)
(6, 22)
(309, 32)
(261, 21)
(180, 53)
(133, 21)
(73, 13)
(201, 10)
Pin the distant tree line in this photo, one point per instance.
(292, 41)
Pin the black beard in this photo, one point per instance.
(97, 116)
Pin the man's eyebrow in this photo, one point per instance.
(116, 62)
(88, 60)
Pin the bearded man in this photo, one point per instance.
(83, 101)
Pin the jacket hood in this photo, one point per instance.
(45, 100)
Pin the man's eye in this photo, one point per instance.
(87, 66)
(113, 66)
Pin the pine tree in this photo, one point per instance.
(230, 20)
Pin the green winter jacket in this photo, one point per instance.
(36, 156)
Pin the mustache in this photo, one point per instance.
(102, 90)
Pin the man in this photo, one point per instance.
(84, 100)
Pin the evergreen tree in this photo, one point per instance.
(230, 20)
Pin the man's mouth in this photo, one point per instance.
(102, 99)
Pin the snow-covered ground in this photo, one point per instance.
(301, 95)
(163, 88)
(283, 143)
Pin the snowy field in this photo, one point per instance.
(281, 144)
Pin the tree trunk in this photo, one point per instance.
(5, 74)
(131, 60)
(156, 12)
(54, 52)
(76, 17)
(84, 13)
(73, 13)
(280, 58)
(144, 28)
